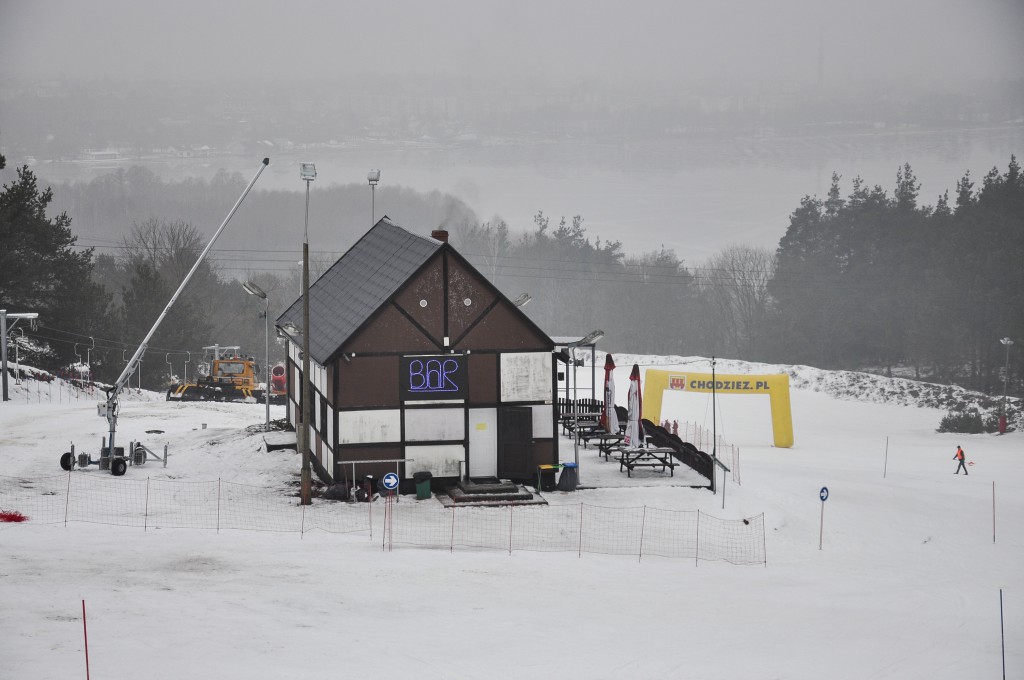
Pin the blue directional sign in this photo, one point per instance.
(390, 481)
(824, 494)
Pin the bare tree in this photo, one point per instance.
(734, 288)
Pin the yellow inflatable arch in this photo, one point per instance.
(775, 386)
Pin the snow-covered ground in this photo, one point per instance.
(906, 584)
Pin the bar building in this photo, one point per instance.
(414, 355)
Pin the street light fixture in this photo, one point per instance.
(252, 289)
(588, 339)
(307, 173)
(373, 177)
(522, 300)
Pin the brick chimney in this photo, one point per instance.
(439, 234)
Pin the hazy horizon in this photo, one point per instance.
(939, 43)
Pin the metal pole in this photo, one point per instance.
(373, 204)
(821, 529)
(1002, 632)
(17, 359)
(714, 425)
(3, 350)
(575, 414)
(1006, 370)
(303, 439)
(266, 361)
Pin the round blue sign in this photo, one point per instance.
(824, 494)
(390, 481)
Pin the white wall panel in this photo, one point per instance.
(434, 424)
(366, 427)
(441, 461)
(526, 376)
(542, 421)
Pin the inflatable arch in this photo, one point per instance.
(775, 386)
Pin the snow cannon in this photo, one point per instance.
(278, 384)
(118, 464)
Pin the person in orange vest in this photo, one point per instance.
(959, 455)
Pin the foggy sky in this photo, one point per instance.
(924, 41)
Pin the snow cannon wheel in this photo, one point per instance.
(118, 467)
(67, 461)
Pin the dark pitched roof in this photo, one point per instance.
(355, 286)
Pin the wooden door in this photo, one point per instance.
(515, 442)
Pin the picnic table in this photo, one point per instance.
(654, 457)
(586, 419)
(607, 442)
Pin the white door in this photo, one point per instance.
(483, 442)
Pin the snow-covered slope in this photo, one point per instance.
(906, 583)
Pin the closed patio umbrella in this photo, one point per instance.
(609, 418)
(634, 430)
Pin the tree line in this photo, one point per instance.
(871, 280)
(868, 281)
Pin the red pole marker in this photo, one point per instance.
(85, 632)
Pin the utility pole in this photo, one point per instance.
(307, 172)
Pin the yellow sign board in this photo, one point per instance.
(775, 386)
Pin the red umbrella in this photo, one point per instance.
(634, 430)
(609, 418)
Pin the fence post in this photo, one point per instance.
(302, 524)
(696, 548)
(580, 549)
(218, 505)
(451, 544)
(145, 517)
(67, 499)
(643, 524)
(510, 530)
(764, 545)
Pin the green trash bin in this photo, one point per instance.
(422, 480)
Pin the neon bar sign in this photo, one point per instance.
(434, 377)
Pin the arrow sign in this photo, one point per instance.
(824, 494)
(390, 481)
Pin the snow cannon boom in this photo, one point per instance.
(109, 409)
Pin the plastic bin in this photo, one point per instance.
(569, 478)
(422, 480)
(546, 477)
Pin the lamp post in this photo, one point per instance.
(588, 339)
(307, 172)
(252, 289)
(373, 177)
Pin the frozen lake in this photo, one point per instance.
(695, 195)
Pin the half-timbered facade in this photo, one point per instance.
(414, 355)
